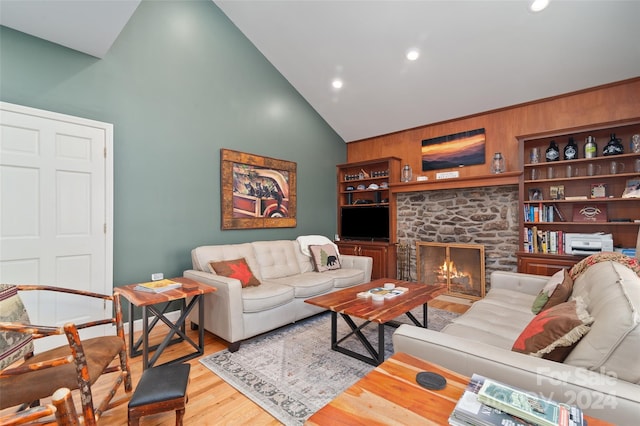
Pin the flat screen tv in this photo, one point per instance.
(365, 223)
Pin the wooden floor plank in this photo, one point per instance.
(211, 400)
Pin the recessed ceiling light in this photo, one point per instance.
(337, 83)
(413, 54)
(538, 5)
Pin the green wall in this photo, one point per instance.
(180, 83)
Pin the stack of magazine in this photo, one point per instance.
(486, 402)
(158, 286)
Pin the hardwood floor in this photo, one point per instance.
(211, 400)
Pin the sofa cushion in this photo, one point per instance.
(553, 332)
(556, 291)
(307, 284)
(611, 291)
(236, 268)
(345, 277)
(266, 296)
(497, 319)
(276, 259)
(325, 257)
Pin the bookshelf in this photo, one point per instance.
(583, 195)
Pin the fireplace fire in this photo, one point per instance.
(459, 266)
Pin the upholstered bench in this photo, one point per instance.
(160, 389)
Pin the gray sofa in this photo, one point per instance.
(287, 278)
(601, 374)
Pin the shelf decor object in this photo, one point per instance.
(257, 191)
(598, 190)
(589, 212)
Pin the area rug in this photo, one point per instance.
(292, 372)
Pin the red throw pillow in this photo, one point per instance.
(554, 332)
(237, 269)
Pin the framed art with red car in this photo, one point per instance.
(256, 191)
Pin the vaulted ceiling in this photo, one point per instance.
(475, 56)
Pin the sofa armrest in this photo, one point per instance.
(364, 263)
(524, 283)
(598, 395)
(223, 308)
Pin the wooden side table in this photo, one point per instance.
(147, 301)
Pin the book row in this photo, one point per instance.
(541, 241)
(542, 213)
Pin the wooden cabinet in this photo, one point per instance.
(540, 264)
(583, 195)
(366, 214)
(382, 253)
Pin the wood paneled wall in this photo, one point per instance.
(604, 104)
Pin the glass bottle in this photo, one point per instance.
(614, 147)
(406, 173)
(571, 150)
(590, 147)
(553, 152)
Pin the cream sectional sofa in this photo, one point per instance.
(287, 278)
(601, 374)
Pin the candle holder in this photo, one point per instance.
(497, 164)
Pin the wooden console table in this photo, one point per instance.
(390, 395)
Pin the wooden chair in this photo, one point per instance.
(77, 365)
(61, 410)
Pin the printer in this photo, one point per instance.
(587, 244)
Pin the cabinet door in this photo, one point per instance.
(544, 265)
(379, 256)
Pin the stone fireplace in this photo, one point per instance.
(478, 215)
(458, 266)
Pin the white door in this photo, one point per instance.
(56, 194)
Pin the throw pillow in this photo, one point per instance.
(543, 296)
(14, 345)
(325, 257)
(557, 290)
(554, 332)
(238, 269)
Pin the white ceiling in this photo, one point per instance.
(475, 55)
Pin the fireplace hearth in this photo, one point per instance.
(459, 266)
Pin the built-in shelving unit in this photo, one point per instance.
(549, 193)
(366, 186)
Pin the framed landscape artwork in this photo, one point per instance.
(257, 191)
(457, 150)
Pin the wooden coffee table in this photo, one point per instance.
(389, 394)
(349, 305)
